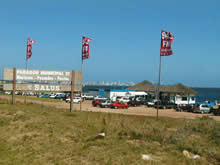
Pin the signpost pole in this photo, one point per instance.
(14, 86)
(81, 85)
(72, 90)
(158, 89)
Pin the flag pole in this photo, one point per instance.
(26, 67)
(158, 89)
(81, 85)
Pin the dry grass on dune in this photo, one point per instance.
(35, 134)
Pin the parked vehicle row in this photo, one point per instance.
(133, 102)
(109, 104)
(61, 96)
(200, 108)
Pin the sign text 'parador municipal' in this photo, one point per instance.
(43, 80)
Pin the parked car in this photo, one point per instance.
(124, 99)
(202, 108)
(52, 96)
(151, 102)
(134, 103)
(215, 110)
(75, 100)
(99, 98)
(117, 105)
(44, 95)
(185, 108)
(105, 104)
(66, 96)
(60, 96)
(142, 101)
(148, 102)
(164, 104)
(97, 102)
(87, 97)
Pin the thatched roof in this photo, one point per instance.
(147, 86)
(143, 86)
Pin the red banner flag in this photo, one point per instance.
(166, 43)
(29, 48)
(85, 47)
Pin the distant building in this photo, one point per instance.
(178, 93)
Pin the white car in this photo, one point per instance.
(124, 99)
(151, 102)
(100, 98)
(52, 96)
(77, 99)
(87, 97)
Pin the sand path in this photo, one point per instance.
(141, 110)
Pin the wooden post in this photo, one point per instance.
(72, 90)
(14, 86)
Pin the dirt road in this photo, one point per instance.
(142, 110)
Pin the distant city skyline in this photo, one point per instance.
(125, 37)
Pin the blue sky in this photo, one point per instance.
(126, 38)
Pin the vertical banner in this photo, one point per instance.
(29, 48)
(166, 43)
(85, 47)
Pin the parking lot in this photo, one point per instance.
(140, 110)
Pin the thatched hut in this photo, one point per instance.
(177, 89)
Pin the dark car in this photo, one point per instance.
(97, 102)
(64, 97)
(45, 95)
(60, 96)
(186, 108)
(134, 103)
(164, 104)
(216, 110)
(143, 101)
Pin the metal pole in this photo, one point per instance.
(25, 98)
(72, 90)
(158, 89)
(81, 85)
(14, 86)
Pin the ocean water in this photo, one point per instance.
(210, 94)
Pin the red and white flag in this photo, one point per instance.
(29, 48)
(166, 43)
(85, 47)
